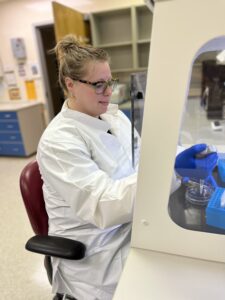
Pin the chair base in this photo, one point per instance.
(48, 267)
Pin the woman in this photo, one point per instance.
(85, 161)
(89, 186)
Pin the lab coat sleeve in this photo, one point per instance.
(93, 196)
(137, 147)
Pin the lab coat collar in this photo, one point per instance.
(96, 123)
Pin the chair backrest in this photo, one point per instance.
(31, 190)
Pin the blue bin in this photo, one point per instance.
(221, 168)
(215, 214)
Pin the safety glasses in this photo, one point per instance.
(101, 86)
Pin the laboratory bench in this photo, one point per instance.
(21, 126)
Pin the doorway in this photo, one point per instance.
(46, 41)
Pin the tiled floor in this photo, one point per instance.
(22, 274)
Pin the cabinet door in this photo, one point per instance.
(13, 149)
(67, 20)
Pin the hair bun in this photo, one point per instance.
(68, 43)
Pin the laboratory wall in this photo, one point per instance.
(18, 20)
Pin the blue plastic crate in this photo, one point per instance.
(215, 214)
(221, 168)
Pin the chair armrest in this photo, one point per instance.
(56, 246)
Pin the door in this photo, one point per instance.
(68, 20)
(46, 41)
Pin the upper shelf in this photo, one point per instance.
(111, 26)
(111, 45)
(144, 22)
(144, 41)
(125, 34)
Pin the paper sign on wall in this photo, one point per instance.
(14, 93)
(21, 70)
(31, 90)
(10, 78)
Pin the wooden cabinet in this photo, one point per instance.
(125, 34)
(21, 126)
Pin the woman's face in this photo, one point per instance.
(85, 98)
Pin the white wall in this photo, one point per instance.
(17, 19)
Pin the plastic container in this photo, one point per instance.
(199, 194)
(215, 213)
(221, 168)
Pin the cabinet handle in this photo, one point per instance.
(7, 115)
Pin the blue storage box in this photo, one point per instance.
(221, 168)
(215, 214)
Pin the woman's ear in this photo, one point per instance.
(69, 83)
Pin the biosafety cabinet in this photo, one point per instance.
(170, 259)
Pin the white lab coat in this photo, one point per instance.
(89, 190)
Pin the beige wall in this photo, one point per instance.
(18, 18)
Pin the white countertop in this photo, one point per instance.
(17, 105)
(152, 275)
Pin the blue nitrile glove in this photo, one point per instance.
(187, 165)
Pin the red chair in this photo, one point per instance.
(31, 190)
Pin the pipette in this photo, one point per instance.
(201, 187)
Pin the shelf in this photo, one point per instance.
(121, 57)
(129, 70)
(144, 41)
(123, 70)
(126, 35)
(144, 22)
(143, 55)
(111, 45)
(141, 69)
(111, 26)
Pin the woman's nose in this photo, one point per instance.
(108, 91)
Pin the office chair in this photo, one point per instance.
(31, 190)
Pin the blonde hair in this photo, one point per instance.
(73, 57)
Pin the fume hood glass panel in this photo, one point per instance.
(199, 203)
(138, 86)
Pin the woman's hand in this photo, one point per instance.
(188, 165)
